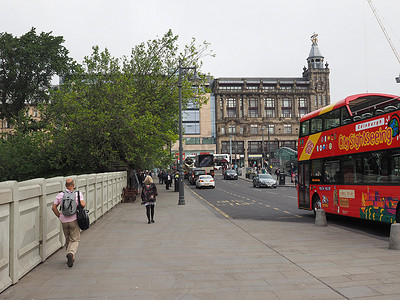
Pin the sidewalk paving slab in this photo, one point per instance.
(192, 252)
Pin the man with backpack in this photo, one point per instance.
(68, 202)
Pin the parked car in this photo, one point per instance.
(230, 174)
(194, 174)
(205, 181)
(264, 180)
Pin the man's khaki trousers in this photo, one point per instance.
(72, 235)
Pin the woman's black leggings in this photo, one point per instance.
(150, 210)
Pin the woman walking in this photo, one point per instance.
(149, 194)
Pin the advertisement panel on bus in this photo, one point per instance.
(371, 135)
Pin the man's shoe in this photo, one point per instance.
(70, 261)
(152, 221)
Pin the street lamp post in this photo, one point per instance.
(269, 153)
(262, 147)
(230, 147)
(181, 200)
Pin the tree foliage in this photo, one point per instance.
(121, 109)
(22, 156)
(27, 65)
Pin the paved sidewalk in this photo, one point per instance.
(192, 252)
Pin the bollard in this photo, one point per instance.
(320, 218)
(394, 240)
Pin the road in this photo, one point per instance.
(238, 199)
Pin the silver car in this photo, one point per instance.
(264, 180)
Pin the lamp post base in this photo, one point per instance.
(181, 200)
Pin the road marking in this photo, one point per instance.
(216, 208)
(239, 203)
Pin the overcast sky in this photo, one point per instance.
(253, 38)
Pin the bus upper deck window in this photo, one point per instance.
(305, 128)
(316, 125)
(332, 119)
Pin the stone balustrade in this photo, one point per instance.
(29, 230)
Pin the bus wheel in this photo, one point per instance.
(316, 204)
(398, 213)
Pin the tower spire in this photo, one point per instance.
(315, 59)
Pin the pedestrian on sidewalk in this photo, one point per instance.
(67, 216)
(149, 194)
(160, 175)
(168, 180)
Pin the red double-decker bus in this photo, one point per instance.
(349, 158)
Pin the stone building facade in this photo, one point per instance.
(256, 116)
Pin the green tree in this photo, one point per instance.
(23, 157)
(27, 66)
(123, 110)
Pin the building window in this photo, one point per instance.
(240, 147)
(237, 147)
(231, 107)
(252, 88)
(232, 129)
(303, 109)
(255, 147)
(221, 108)
(286, 107)
(274, 146)
(222, 129)
(268, 88)
(253, 129)
(241, 108)
(271, 128)
(270, 107)
(241, 130)
(225, 147)
(286, 87)
(192, 141)
(287, 129)
(191, 128)
(289, 144)
(233, 88)
(191, 118)
(208, 140)
(253, 108)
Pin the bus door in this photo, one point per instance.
(304, 185)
